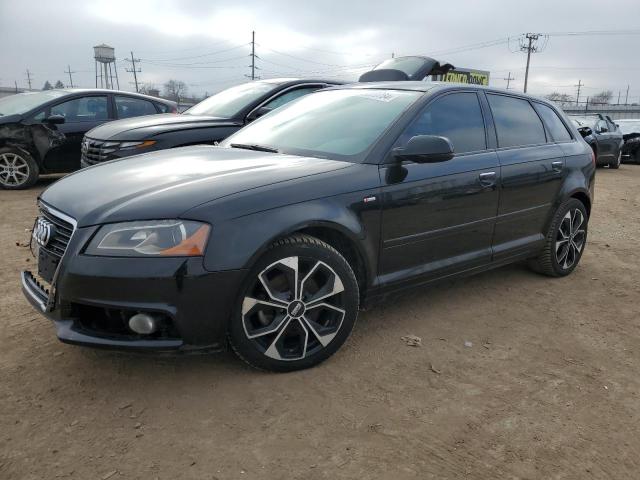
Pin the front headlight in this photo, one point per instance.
(110, 147)
(164, 238)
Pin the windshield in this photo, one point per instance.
(23, 102)
(229, 102)
(339, 124)
(629, 126)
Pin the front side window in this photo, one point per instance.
(456, 116)
(133, 107)
(339, 124)
(84, 109)
(555, 126)
(601, 126)
(289, 96)
(517, 123)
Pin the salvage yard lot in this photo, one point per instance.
(549, 387)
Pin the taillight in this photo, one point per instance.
(174, 110)
(593, 157)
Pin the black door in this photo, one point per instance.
(532, 170)
(439, 217)
(81, 115)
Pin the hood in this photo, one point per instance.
(140, 128)
(167, 183)
(5, 119)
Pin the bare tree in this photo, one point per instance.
(175, 90)
(147, 88)
(559, 97)
(47, 86)
(604, 97)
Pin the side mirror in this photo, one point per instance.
(585, 131)
(55, 119)
(258, 113)
(425, 149)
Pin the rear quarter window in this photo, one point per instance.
(517, 123)
(555, 126)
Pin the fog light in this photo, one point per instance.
(143, 323)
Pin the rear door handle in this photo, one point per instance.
(557, 166)
(487, 179)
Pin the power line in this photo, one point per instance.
(133, 69)
(197, 56)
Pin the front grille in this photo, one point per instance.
(94, 151)
(61, 235)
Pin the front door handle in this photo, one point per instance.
(557, 166)
(487, 179)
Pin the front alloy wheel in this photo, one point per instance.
(298, 307)
(17, 170)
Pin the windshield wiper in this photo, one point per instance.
(257, 148)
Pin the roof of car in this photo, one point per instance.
(120, 92)
(282, 81)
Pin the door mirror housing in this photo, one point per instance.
(425, 149)
(585, 131)
(55, 119)
(258, 113)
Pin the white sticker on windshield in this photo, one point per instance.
(380, 95)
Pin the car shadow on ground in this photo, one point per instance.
(220, 364)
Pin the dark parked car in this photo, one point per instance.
(630, 129)
(605, 140)
(208, 122)
(272, 240)
(41, 132)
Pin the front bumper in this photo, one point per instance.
(94, 296)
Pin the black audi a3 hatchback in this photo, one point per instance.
(273, 240)
(40, 132)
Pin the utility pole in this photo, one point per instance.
(579, 85)
(393, 54)
(29, 78)
(530, 47)
(508, 79)
(15, 82)
(618, 97)
(68, 70)
(135, 70)
(626, 98)
(253, 55)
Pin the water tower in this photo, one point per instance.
(105, 58)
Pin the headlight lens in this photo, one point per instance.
(146, 143)
(154, 238)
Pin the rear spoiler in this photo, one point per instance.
(405, 68)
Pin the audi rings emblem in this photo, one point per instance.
(43, 230)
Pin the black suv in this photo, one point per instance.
(208, 122)
(272, 241)
(40, 132)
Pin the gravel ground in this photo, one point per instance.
(547, 385)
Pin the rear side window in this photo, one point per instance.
(133, 107)
(554, 125)
(516, 121)
(162, 107)
(456, 116)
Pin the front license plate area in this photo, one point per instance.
(47, 264)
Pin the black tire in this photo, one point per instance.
(616, 163)
(18, 170)
(552, 261)
(268, 326)
(636, 156)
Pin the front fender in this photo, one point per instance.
(238, 243)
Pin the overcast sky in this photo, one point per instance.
(206, 43)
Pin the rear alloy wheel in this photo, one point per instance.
(565, 240)
(17, 169)
(298, 308)
(616, 164)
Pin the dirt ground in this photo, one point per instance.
(549, 387)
